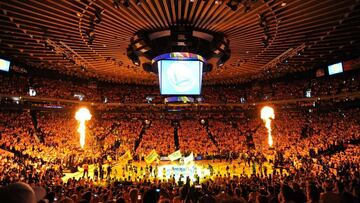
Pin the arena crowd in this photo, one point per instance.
(315, 156)
(290, 87)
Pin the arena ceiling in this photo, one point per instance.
(54, 34)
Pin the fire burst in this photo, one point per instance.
(82, 115)
(267, 114)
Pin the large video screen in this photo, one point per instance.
(335, 68)
(180, 77)
(4, 65)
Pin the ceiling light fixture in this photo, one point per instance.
(116, 4)
(233, 4)
(126, 3)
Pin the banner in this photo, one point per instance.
(189, 158)
(182, 99)
(127, 156)
(175, 155)
(151, 157)
(164, 158)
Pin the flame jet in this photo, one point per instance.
(267, 114)
(82, 115)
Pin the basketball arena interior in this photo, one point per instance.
(179, 101)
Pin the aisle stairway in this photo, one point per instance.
(211, 137)
(38, 133)
(138, 141)
(176, 137)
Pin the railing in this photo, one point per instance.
(44, 100)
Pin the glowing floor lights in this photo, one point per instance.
(82, 115)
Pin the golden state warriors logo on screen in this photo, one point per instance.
(180, 77)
